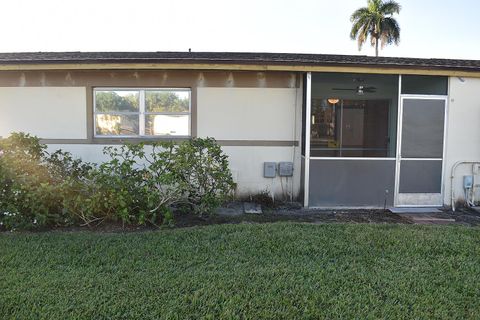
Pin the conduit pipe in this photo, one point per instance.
(452, 192)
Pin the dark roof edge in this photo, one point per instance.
(281, 59)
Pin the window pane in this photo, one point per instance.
(325, 132)
(115, 101)
(352, 128)
(166, 125)
(424, 85)
(123, 125)
(422, 128)
(167, 101)
(430, 173)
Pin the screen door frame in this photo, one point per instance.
(403, 199)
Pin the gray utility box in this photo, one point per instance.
(269, 169)
(285, 169)
(467, 182)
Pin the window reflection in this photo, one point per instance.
(176, 125)
(142, 112)
(351, 128)
(124, 125)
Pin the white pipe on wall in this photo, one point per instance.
(452, 192)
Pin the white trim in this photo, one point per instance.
(399, 139)
(438, 197)
(308, 121)
(445, 139)
(357, 159)
(433, 200)
(141, 125)
(341, 126)
(348, 208)
(418, 206)
(424, 96)
(422, 159)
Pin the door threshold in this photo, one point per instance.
(415, 210)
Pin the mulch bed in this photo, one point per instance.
(463, 216)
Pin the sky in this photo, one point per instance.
(429, 28)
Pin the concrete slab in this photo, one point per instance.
(232, 210)
(423, 218)
(414, 210)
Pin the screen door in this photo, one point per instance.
(421, 150)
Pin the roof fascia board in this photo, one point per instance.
(239, 67)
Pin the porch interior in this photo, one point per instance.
(353, 132)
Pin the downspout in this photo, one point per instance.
(452, 193)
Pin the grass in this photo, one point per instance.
(276, 271)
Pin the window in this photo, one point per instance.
(142, 112)
(353, 115)
(352, 128)
(426, 85)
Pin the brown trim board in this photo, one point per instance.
(148, 78)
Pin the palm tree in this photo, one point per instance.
(375, 20)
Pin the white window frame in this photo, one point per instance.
(142, 113)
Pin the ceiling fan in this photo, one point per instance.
(360, 90)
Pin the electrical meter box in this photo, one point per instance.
(467, 182)
(269, 169)
(285, 169)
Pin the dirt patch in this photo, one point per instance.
(465, 216)
(290, 213)
(297, 215)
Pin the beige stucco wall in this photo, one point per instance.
(258, 116)
(255, 114)
(463, 132)
(48, 112)
(246, 113)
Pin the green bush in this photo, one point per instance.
(193, 175)
(32, 183)
(39, 189)
(138, 185)
(201, 167)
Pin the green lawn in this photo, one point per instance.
(281, 270)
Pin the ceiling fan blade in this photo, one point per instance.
(343, 89)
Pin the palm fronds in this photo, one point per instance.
(376, 21)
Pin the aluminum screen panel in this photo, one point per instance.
(421, 176)
(351, 183)
(423, 128)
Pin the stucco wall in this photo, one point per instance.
(265, 122)
(263, 115)
(252, 114)
(48, 112)
(246, 113)
(463, 132)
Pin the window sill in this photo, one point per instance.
(138, 139)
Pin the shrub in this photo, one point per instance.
(30, 184)
(201, 167)
(134, 186)
(193, 174)
(139, 185)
